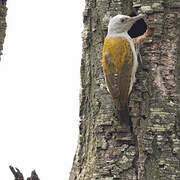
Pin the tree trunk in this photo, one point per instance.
(3, 12)
(152, 150)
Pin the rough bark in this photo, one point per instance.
(152, 151)
(3, 13)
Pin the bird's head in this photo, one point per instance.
(121, 23)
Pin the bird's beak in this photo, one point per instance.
(135, 18)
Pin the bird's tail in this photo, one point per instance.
(122, 112)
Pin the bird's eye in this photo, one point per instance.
(122, 20)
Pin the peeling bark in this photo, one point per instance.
(153, 150)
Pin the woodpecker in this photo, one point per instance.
(119, 61)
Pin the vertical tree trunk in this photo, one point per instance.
(3, 12)
(152, 151)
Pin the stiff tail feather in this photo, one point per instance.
(122, 112)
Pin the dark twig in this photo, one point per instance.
(34, 176)
(18, 175)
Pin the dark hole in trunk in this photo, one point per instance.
(138, 29)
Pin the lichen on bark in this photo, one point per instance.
(152, 152)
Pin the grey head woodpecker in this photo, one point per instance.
(119, 61)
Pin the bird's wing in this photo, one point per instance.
(117, 65)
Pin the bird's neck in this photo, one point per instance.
(112, 34)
